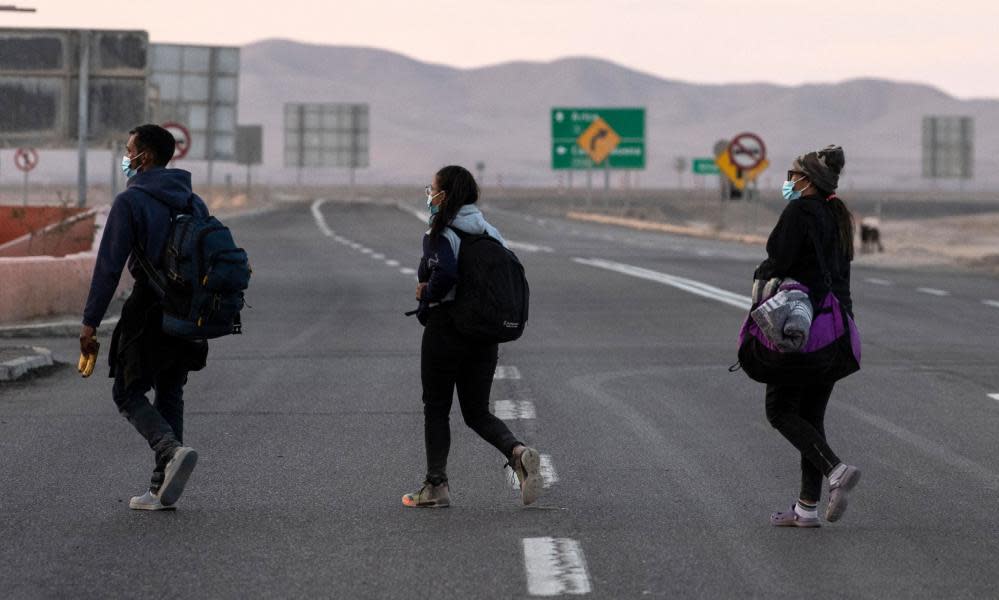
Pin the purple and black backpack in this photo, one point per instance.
(831, 353)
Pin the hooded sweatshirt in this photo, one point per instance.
(139, 218)
(439, 264)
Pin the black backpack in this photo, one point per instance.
(492, 297)
(201, 279)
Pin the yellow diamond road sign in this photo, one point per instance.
(736, 175)
(599, 140)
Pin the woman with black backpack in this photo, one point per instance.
(450, 359)
(815, 220)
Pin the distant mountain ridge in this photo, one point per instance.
(425, 115)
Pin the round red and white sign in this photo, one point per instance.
(747, 151)
(26, 159)
(183, 137)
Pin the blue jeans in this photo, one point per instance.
(161, 422)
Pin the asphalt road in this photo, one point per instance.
(661, 465)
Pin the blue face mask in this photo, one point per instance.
(433, 208)
(126, 165)
(787, 190)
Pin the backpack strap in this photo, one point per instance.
(139, 252)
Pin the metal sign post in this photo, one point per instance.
(25, 159)
(83, 119)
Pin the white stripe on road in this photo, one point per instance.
(933, 291)
(877, 281)
(548, 473)
(392, 263)
(549, 476)
(320, 220)
(407, 271)
(528, 247)
(994, 396)
(688, 285)
(555, 566)
(378, 256)
(992, 303)
(365, 250)
(512, 410)
(507, 373)
(422, 217)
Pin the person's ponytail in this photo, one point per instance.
(844, 224)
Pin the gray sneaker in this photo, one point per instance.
(429, 496)
(148, 501)
(176, 473)
(838, 491)
(527, 466)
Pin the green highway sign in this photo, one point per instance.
(597, 138)
(706, 166)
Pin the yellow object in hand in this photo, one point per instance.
(88, 361)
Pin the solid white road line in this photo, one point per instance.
(994, 396)
(513, 410)
(933, 291)
(507, 373)
(555, 566)
(422, 217)
(688, 285)
(528, 247)
(317, 215)
(877, 281)
(992, 303)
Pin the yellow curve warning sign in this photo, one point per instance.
(599, 140)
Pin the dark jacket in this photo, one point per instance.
(139, 218)
(139, 221)
(791, 251)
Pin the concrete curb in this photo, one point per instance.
(67, 328)
(666, 228)
(18, 367)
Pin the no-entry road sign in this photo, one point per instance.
(26, 159)
(183, 137)
(747, 151)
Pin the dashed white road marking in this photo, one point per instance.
(392, 263)
(555, 566)
(688, 285)
(512, 410)
(365, 250)
(877, 281)
(378, 256)
(549, 476)
(992, 303)
(933, 291)
(407, 271)
(506, 373)
(994, 396)
(548, 473)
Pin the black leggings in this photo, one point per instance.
(798, 412)
(449, 360)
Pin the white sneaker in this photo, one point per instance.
(148, 501)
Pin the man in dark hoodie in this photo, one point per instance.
(141, 356)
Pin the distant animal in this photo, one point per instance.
(870, 235)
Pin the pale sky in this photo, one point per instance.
(951, 44)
